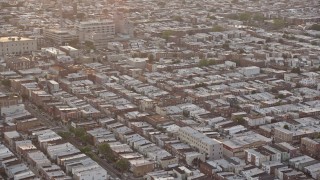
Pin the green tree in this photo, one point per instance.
(206, 62)
(64, 134)
(161, 4)
(281, 41)
(166, 34)
(185, 113)
(315, 27)
(177, 18)
(241, 51)
(296, 70)
(74, 43)
(258, 17)
(24, 97)
(85, 149)
(212, 17)
(89, 44)
(122, 165)
(278, 23)
(217, 28)
(240, 120)
(85, 138)
(226, 46)
(150, 57)
(268, 40)
(245, 16)
(105, 11)
(106, 151)
(281, 96)
(285, 126)
(6, 82)
(135, 55)
(79, 132)
(81, 16)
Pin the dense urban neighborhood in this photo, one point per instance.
(159, 89)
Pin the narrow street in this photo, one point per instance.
(55, 126)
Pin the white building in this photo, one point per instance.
(71, 51)
(53, 86)
(17, 45)
(138, 62)
(99, 40)
(211, 147)
(106, 27)
(250, 71)
(59, 36)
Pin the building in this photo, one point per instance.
(140, 167)
(106, 27)
(53, 86)
(211, 147)
(59, 36)
(138, 62)
(122, 24)
(310, 146)
(19, 63)
(17, 45)
(250, 71)
(98, 40)
(70, 51)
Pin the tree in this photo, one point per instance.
(268, 40)
(24, 97)
(240, 120)
(161, 4)
(258, 17)
(106, 151)
(150, 57)
(85, 138)
(281, 96)
(314, 43)
(212, 17)
(177, 18)
(85, 149)
(226, 46)
(89, 44)
(81, 16)
(74, 43)
(315, 27)
(217, 28)
(135, 55)
(200, 85)
(205, 62)
(185, 113)
(281, 41)
(79, 132)
(285, 126)
(166, 34)
(105, 11)
(122, 165)
(296, 70)
(278, 23)
(241, 51)
(6, 82)
(64, 134)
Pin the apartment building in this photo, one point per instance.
(20, 63)
(211, 147)
(59, 36)
(310, 146)
(17, 45)
(106, 27)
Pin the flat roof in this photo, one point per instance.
(16, 38)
